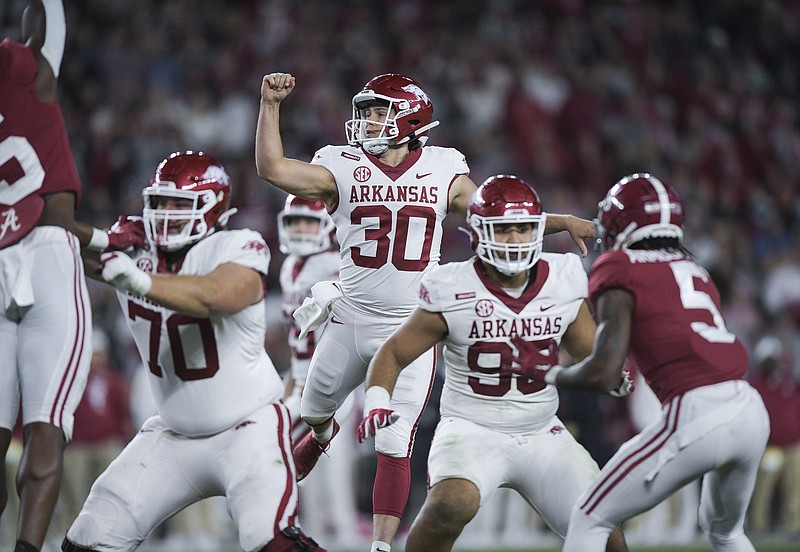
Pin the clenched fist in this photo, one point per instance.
(276, 86)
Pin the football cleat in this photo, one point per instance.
(307, 452)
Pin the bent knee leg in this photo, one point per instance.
(103, 524)
(451, 504)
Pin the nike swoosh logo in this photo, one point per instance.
(334, 321)
(422, 175)
(548, 307)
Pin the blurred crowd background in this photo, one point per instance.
(569, 94)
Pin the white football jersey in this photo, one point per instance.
(489, 330)
(389, 222)
(297, 276)
(206, 374)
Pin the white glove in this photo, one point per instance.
(315, 309)
(120, 271)
(625, 386)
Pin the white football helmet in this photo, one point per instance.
(304, 244)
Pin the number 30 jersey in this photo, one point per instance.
(678, 337)
(206, 374)
(389, 222)
(490, 332)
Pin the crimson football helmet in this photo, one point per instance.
(638, 207)
(304, 244)
(410, 114)
(505, 199)
(193, 176)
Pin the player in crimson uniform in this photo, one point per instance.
(387, 194)
(194, 302)
(510, 305)
(654, 302)
(45, 316)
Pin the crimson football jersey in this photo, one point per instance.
(35, 157)
(678, 337)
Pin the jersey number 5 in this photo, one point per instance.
(174, 323)
(380, 236)
(692, 298)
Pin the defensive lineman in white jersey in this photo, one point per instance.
(387, 195)
(510, 306)
(194, 301)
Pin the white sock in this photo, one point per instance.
(380, 546)
(324, 436)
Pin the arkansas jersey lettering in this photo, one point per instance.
(525, 327)
(377, 193)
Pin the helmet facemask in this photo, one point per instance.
(509, 259)
(160, 223)
(399, 115)
(304, 244)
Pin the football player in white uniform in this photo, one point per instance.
(509, 307)
(387, 195)
(304, 233)
(194, 301)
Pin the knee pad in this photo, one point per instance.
(292, 539)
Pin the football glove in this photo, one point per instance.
(125, 235)
(120, 271)
(377, 413)
(625, 386)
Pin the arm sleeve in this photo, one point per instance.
(55, 34)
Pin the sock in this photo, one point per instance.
(325, 436)
(23, 546)
(392, 484)
(380, 546)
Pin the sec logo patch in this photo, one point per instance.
(484, 308)
(362, 174)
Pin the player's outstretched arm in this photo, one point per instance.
(460, 193)
(227, 289)
(603, 369)
(421, 331)
(290, 175)
(579, 229)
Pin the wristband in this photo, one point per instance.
(376, 398)
(552, 374)
(99, 241)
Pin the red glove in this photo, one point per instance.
(376, 419)
(532, 362)
(127, 232)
